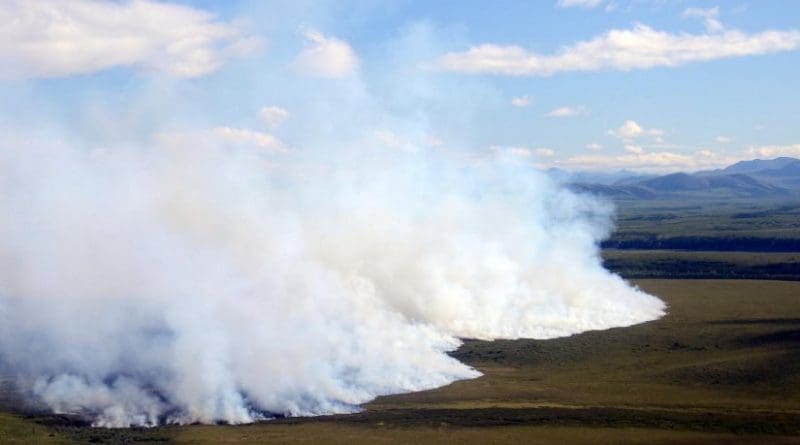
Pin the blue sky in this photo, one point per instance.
(576, 84)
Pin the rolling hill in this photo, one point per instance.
(774, 178)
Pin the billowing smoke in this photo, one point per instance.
(202, 283)
(160, 269)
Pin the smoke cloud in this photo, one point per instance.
(182, 284)
(173, 274)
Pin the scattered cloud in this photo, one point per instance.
(521, 101)
(653, 162)
(722, 139)
(631, 130)
(579, 3)
(273, 116)
(593, 147)
(636, 158)
(579, 110)
(708, 15)
(250, 137)
(228, 137)
(325, 56)
(641, 47)
(523, 152)
(54, 38)
(773, 151)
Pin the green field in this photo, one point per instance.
(722, 367)
(737, 225)
(737, 239)
(693, 264)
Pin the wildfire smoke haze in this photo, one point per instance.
(162, 261)
(181, 285)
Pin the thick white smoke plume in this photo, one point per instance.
(208, 283)
(164, 259)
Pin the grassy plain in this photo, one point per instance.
(632, 263)
(722, 367)
(733, 225)
(738, 239)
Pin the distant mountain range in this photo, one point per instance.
(774, 178)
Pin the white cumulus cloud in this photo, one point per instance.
(631, 130)
(567, 111)
(641, 47)
(250, 137)
(773, 151)
(636, 158)
(273, 116)
(654, 162)
(635, 149)
(325, 56)
(53, 38)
